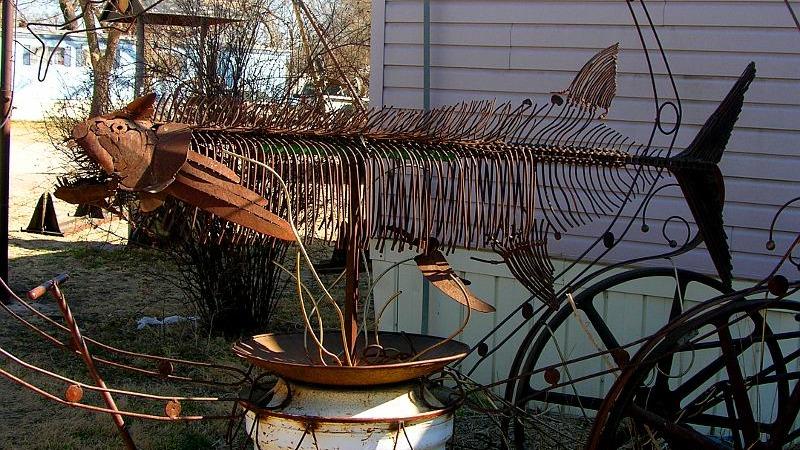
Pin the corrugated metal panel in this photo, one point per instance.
(517, 49)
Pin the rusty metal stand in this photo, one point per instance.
(80, 346)
(6, 93)
(353, 261)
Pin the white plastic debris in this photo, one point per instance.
(148, 321)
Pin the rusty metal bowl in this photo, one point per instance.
(286, 355)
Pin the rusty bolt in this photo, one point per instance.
(74, 393)
(527, 310)
(608, 239)
(621, 357)
(778, 285)
(552, 376)
(172, 409)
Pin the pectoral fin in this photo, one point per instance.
(438, 271)
(229, 201)
(85, 192)
(213, 167)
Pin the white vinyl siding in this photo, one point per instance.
(517, 49)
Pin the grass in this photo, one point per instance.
(110, 288)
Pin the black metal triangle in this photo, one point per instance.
(91, 211)
(44, 220)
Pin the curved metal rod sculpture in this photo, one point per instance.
(403, 175)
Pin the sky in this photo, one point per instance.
(38, 10)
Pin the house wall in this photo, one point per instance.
(515, 49)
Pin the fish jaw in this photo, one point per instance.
(87, 140)
(86, 192)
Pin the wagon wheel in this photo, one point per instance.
(738, 390)
(538, 374)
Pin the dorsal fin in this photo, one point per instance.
(595, 85)
(139, 109)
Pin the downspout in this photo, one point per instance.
(426, 54)
(426, 105)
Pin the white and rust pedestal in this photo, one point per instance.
(380, 418)
(361, 407)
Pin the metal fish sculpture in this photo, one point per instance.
(473, 175)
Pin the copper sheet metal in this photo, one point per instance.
(440, 273)
(286, 355)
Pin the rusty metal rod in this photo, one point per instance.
(244, 377)
(6, 97)
(80, 345)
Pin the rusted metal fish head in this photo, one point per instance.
(126, 144)
(154, 161)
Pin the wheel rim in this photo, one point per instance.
(539, 338)
(729, 396)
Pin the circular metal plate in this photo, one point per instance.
(286, 355)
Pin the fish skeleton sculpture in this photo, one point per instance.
(471, 175)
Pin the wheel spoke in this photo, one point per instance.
(600, 326)
(786, 417)
(665, 365)
(736, 431)
(738, 388)
(675, 432)
(705, 374)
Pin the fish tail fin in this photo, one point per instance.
(710, 142)
(701, 181)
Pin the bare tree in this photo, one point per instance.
(217, 58)
(70, 16)
(102, 60)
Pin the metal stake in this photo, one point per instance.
(353, 263)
